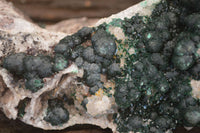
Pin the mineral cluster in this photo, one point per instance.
(147, 73)
(155, 95)
(95, 59)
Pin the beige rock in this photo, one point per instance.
(72, 25)
(20, 35)
(195, 88)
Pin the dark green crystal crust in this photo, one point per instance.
(154, 92)
(56, 113)
(95, 59)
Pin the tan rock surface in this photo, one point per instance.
(20, 35)
(72, 25)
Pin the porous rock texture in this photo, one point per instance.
(20, 35)
(17, 35)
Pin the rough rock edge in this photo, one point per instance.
(143, 8)
(20, 35)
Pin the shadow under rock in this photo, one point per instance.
(16, 126)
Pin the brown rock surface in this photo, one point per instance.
(57, 10)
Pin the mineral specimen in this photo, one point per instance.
(160, 70)
(56, 113)
(128, 74)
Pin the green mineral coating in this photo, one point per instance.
(41, 65)
(149, 36)
(107, 91)
(14, 63)
(34, 84)
(33, 68)
(21, 111)
(183, 62)
(104, 44)
(160, 71)
(193, 117)
(84, 103)
(38, 83)
(21, 107)
(116, 22)
(75, 71)
(144, 3)
(149, 92)
(60, 63)
(56, 113)
(155, 81)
